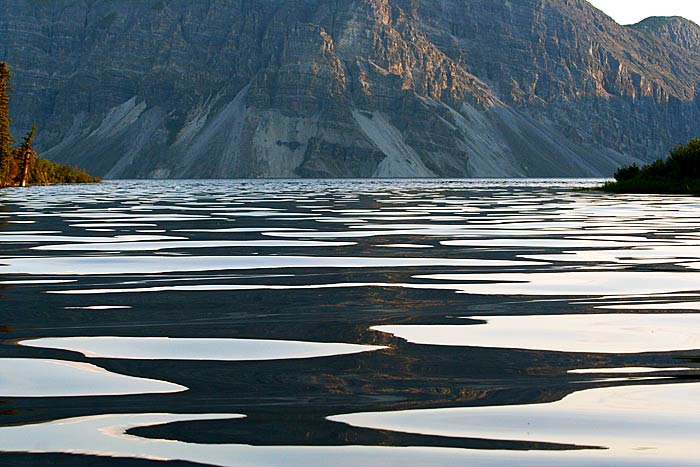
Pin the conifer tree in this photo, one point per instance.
(20, 166)
(28, 139)
(25, 157)
(6, 153)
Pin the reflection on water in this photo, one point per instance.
(108, 435)
(686, 306)
(23, 377)
(627, 370)
(248, 314)
(50, 237)
(613, 333)
(163, 348)
(565, 283)
(106, 265)
(155, 246)
(635, 422)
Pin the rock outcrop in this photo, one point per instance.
(680, 31)
(348, 88)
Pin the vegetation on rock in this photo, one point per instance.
(19, 166)
(679, 174)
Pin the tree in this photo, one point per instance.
(6, 152)
(20, 165)
(26, 157)
(29, 139)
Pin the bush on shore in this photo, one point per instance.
(45, 172)
(679, 174)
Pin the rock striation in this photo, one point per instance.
(348, 88)
(680, 31)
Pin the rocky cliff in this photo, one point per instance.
(347, 88)
(680, 31)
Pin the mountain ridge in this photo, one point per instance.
(676, 29)
(361, 88)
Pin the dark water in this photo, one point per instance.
(353, 323)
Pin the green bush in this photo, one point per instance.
(627, 173)
(679, 174)
(45, 172)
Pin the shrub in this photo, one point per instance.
(627, 173)
(679, 174)
(45, 172)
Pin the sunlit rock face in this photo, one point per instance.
(364, 88)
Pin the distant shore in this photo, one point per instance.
(19, 165)
(677, 175)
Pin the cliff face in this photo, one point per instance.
(680, 31)
(346, 88)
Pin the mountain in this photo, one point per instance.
(348, 88)
(680, 31)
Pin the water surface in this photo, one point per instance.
(348, 323)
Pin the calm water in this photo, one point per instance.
(348, 323)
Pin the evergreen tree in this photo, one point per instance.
(20, 166)
(29, 139)
(25, 157)
(6, 152)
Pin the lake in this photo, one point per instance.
(348, 323)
